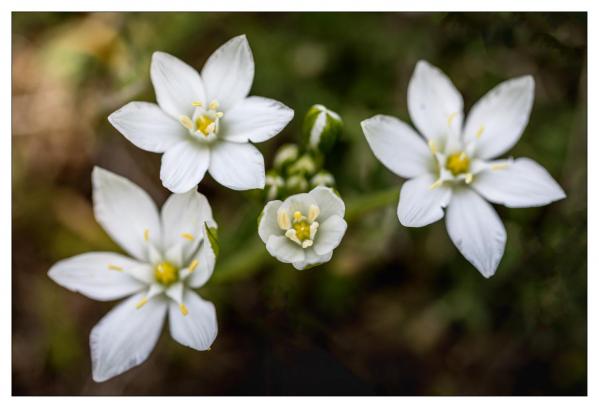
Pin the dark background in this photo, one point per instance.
(397, 311)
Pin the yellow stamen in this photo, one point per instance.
(219, 114)
(302, 230)
(115, 267)
(313, 212)
(458, 163)
(187, 236)
(142, 302)
(480, 131)
(451, 118)
(193, 265)
(183, 309)
(197, 104)
(499, 166)
(468, 178)
(283, 220)
(186, 122)
(166, 273)
(146, 234)
(436, 184)
(213, 105)
(432, 146)
(297, 216)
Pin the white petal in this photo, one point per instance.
(229, 72)
(239, 166)
(126, 212)
(206, 261)
(147, 126)
(183, 217)
(255, 119)
(97, 275)
(312, 259)
(268, 222)
(523, 183)
(177, 85)
(476, 230)
(435, 105)
(498, 119)
(199, 327)
(284, 250)
(397, 146)
(419, 204)
(183, 166)
(329, 235)
(327, 201)
(126, 336)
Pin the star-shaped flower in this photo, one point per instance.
(171, 253)
(205, 122)
(458, 169)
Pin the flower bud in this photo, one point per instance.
(304, 165)
(273, 184)
(322, 178)
(286, 155)
(296, 184)
(322, 127)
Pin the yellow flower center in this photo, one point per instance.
(302, 230)
(203, 123)
(458, 163)
(166, 273)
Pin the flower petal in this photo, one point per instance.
(523, 183)
(126, 212)
(198, 328)
(268, 221)
(97, 275)
(397, 146)
(498, 119)
(183, 217)
(284, 250)
(177, 85)
(312, 259)
(255, 119)
(328, 202)
(476, 230)
(419, 204)
(183, 166)
(239, 166)
(206, 258)
(435, 105)
(147, 126)
(329, 235)
(229, 72)
(126, 336)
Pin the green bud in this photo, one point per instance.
(296, 184)
(321, 128)
(304, 165)
(273, 184)
(286, 155)
(322, 178)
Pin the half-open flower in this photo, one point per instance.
(305, 228)
(205, 122)
(454, 166)
(170, 253)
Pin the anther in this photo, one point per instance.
(146, 234)
(480, 131)
(297, 216)
(115, 267)
(451, 118)
(499, 166)
(432, 146)
(468, 178)
(187, 236)
(193, 265)
(313, 212)
(213, 105)
(197, 104)
(183, 309)
(186, 122)
(142, 302)
(436, 184)
(283, 220)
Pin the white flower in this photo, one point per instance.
(205, 122)
(305, 228)
(456, 170)
(171, 252)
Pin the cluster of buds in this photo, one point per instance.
(299, 168)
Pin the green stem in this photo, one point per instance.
(358, 206)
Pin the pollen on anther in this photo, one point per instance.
(499, 166)
(197, 104)
(213, 105)
(436, 184)
(115, 267)
(193, 265)
(432, 146)
(479, 132)
(187, 236)
(468, 178)
(183, 309)
(142, 302)
(297, 216)
(146, 234)
(451, 118)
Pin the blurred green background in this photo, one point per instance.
(397, 311)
